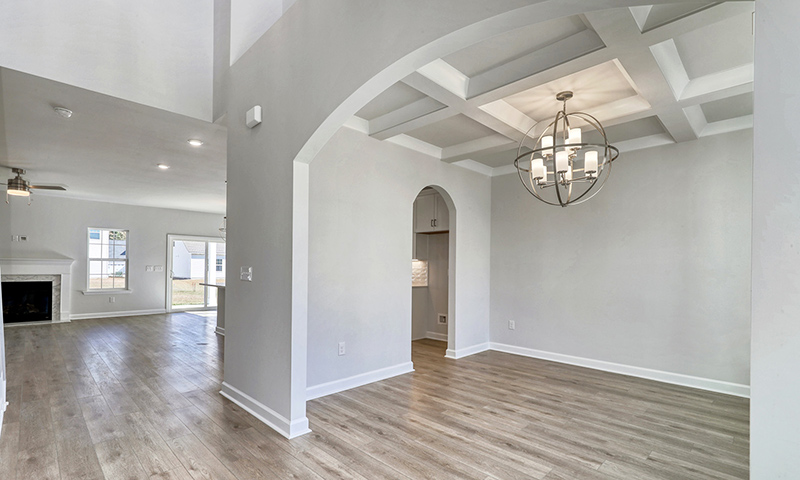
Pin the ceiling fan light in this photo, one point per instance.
(195, 142)
(18, 192)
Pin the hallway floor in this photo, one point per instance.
(137, 397)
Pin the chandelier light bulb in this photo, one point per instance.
(547, 141)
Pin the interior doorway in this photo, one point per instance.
(193, 264)
(430, 286)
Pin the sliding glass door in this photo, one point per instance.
(194, 264)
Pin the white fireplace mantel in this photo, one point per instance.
(61, 266)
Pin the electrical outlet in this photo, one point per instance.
(112, 300)
(512, 324)
(341, 348)
(148, 268)
(158, 268)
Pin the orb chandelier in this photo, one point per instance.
(561, 169)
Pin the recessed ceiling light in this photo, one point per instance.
(163, 166)
(64, 112)
(195, 142)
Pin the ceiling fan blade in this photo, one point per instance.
(47, 187)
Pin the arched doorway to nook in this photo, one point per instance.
(433, 233)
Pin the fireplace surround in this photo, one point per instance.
(55, 270)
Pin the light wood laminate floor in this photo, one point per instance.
(137, 398)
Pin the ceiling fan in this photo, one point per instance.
(20, 187)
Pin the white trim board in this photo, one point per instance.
(467, 351)
(337, 386)
(718, 386)
(278, 422)
(442, 337)
(125, 313)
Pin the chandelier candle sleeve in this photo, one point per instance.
(574, 137)
(590, 162)
(537, 168)
(547, 142)
(562, 161)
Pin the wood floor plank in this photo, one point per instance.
(40, 463)
(9, 447)
(118, 460)
(198, 460)
(138, 397)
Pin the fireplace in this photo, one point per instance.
(53, 270)
(27, 301)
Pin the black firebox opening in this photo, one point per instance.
(27, 301)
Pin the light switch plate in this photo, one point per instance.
(246, 274)
(158, 268)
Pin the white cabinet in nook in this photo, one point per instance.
(430, 213)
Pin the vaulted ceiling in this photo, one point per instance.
(652, 75)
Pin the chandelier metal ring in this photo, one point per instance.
(556, 154)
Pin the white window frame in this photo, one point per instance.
(90, 259)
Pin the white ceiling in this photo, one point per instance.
(109, 149)
(653, 75)
(154, 52)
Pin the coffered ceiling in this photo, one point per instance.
(653, 75)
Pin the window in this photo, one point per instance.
(108, 259)
(219, 264)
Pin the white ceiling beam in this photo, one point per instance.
(417, 145)
(545, 58)
(644, 142)
(714, 82)
(730, 125)
(501, 110)
(697, 119)
(405, 114)
(446, 76)
(479, 146)
(703, 18)
(678, 124)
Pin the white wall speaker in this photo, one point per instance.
(253, 116)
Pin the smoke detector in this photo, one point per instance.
(64, 112)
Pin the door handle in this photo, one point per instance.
(431, 223)
(435, 222)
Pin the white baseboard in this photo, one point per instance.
(442, 337)
(337, 386)
(127, 313)
(465, 352)
(719, 386)
(219, 331)
(278, 422)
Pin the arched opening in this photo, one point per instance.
(433, 259)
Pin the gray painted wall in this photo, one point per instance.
(653, 272)
(58, 225)
(362, 192)
(774, 416)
